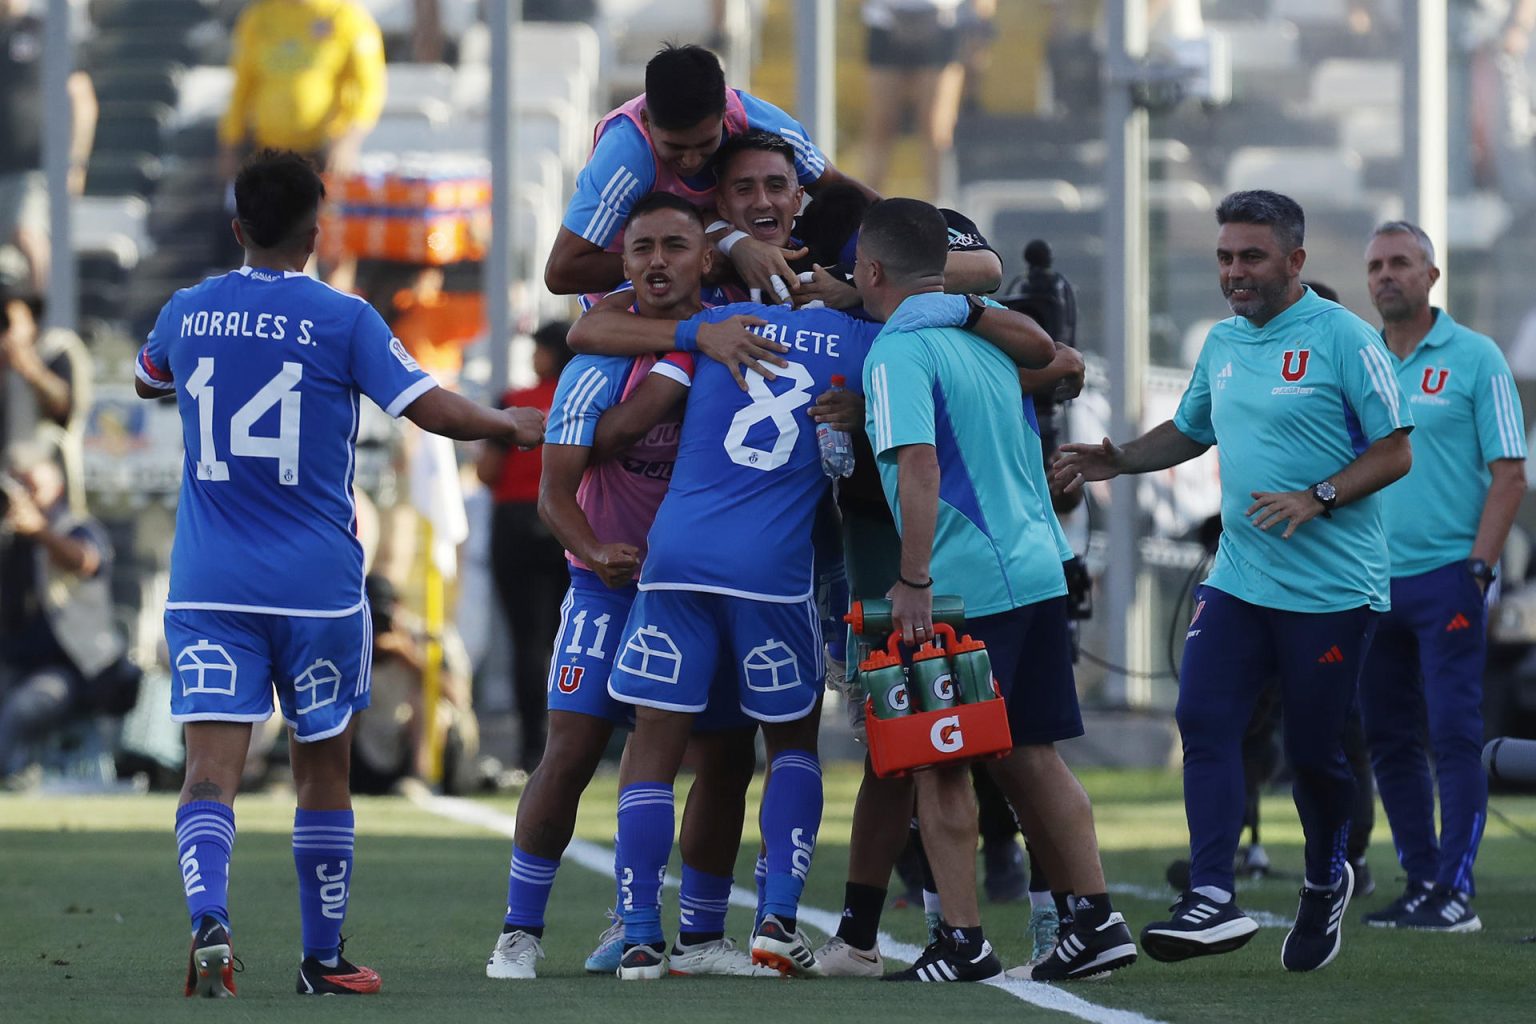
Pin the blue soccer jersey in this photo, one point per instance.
(267, 368)
(622, 170)
(1464, 399)
(738, 517)
(1287, 405)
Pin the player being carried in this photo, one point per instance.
(599, 500)
(664, 140)
(728, 582)
(267, 367)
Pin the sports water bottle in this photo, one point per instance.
(836, 448)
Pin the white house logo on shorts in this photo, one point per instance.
(771, 667)
(317, 687)
(206, 667)
(398, 349)
(651, 654)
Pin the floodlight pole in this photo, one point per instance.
(58, 117)
(497, 271)
(1125, 327)
(1426, 144)
(815, 72)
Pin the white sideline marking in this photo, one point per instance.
(599, 859)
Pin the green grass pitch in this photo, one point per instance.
(92, 926)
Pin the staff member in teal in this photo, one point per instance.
(1447, 521)
(1298, 396)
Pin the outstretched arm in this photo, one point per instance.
(1161, 447)
(450, 414)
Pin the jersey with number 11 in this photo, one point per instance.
(267, 368)
(737, 518)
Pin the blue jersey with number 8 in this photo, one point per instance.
(737, 517)
(267, 368)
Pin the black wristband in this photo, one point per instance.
(915, 586)
(978, 307)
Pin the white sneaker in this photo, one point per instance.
(838, 959)
(786, 952)
(514, 957)
(720, 957)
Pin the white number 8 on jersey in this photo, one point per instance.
(766, 405)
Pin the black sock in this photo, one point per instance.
(698, 938)
(1063, 909)
(789, 923)
(537, 933)
(1092, 911)
(1037, 880)
(862, 905)
(967, 940)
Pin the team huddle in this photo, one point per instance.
(712, 554)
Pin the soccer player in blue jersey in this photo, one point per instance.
(1446, 521)
(1299, 397)
(267, 367)
(664, 140)
(599, 498)
(729, 581)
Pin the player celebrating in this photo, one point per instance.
(600, 504)
(737, 586)
(266, 366)
(663, 141)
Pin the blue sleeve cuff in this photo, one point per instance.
(686, 337)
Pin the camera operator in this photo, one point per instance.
(61, 656)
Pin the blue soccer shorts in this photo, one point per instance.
(680, 644)
(592, 620)
(226, 666)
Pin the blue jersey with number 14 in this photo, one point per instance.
(737, 518)
(267, 368)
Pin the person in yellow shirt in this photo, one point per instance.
(309, 76)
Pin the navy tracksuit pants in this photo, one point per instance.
(1424, 676)
(1232, 649)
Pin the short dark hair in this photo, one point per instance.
(551, 335)
(908, 236)
(275, 191)
(756, 140)
(1260, 206)
(683, 86)
(831, 221)
(1323, 291)
(653, 201)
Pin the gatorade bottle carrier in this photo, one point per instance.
(964, 732)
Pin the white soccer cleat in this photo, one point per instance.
(838, 959)
(515, 957)
(785, 951)
(721, 958)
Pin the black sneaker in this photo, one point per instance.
(345, 979)
(211, 965)
(643, 962)
(1084, 953)
(1391, 915)
(1318, 934)
(944, 961)
(1199, 927)
(1445, 910)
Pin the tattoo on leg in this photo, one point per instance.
(205, 790)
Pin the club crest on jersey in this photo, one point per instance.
(570, 678)
(1434, 380)
(1295, 366)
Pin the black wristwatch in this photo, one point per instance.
(1327, 496)
(1482, 571)
(978, 306)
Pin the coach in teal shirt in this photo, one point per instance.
(1447, 521)
(1298, 395)
(962, 468)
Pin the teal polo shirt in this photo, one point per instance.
(1287, 405)
(1464, 401)
(997, 543)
